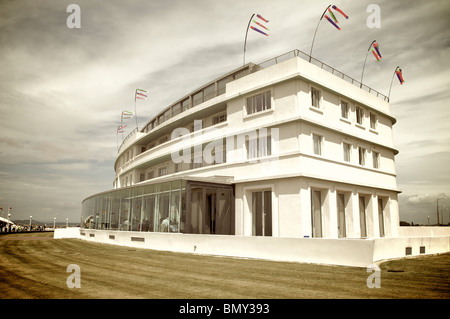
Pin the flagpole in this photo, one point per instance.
(390, 87)
(135, 113)
(246, 33)
(364, 66)
(312, 44)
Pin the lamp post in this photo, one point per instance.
(437, 208)
(30, 221)
(54, 223)
(67, 222)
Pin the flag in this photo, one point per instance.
(398, 71)
(331, 21)
(120, 128)
(340, 11)
(261, 25)
(141, 94)
(333, 16)
(376, 51)
(127, 115)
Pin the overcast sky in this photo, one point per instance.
(62, 90)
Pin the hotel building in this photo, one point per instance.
(289, 149)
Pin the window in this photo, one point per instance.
(380, 217)
(344, 110)
(315, 97)
(362, 216)
(359, 115)
(317, 140)
(141, 177)
(362, 156)
(162, 171)
(219, 119)
(176, 109)
(258, 103)
(373, 121)
(258, 147)
(185, 104)
(177, 167)
(150, 175)
(347, 148)
(376, 159)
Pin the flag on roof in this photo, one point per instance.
(141, 94)
(261, 25)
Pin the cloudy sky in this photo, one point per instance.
(62, 89)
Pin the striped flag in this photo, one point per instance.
(333, 20)
(398, 71)
(141, 94)
(120, 128)
(376, 51)
(127, 114)
(261, 25)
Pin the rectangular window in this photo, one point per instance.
(362, 156)
(185, 104)
(258, 103)
(344, 110)
(150, 175)
(315, 97)
(347, 148)
(176, 109)
(162, 171)
(359, 115)
(376, 159)
(219, 119)
(317, 140)
(373, 121)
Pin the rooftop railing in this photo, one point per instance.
(324, 66)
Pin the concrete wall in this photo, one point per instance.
(346, 252)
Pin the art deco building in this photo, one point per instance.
(288, 148)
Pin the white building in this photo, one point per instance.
(281, 151)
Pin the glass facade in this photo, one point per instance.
(177, 206)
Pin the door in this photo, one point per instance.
(262, 213)
(381, 216)
(341, 215)
(316, 213)
(362, 216)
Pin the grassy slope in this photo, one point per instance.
(37, 269)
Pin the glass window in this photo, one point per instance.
(197, 98)
(316, 213)
(347, 148)
(209, 92)
(315, 97)
(362, 156)
(317, 140)
(373, 121)
(185, 104)
(344, 109)
(376, 159)
(359, 115)
(176, 109)
(258, 103)
(162, 171)
(219, 119)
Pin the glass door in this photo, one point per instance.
(341, 215)
(262, 213)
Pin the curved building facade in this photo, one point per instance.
(288, 148)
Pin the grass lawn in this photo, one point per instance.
(34, 266)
